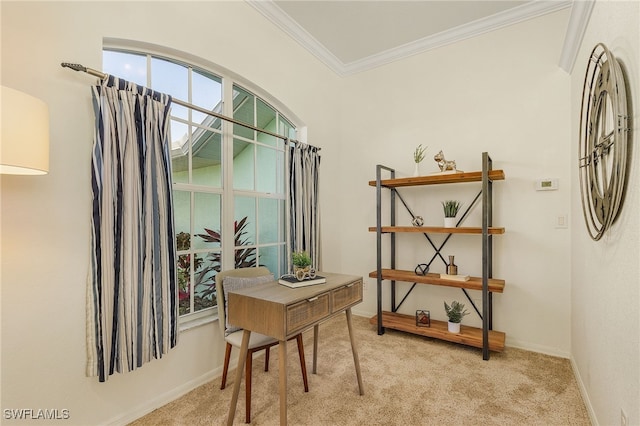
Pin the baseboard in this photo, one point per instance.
(583, 392)
(165, 398)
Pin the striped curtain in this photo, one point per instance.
(132, 303)
(304, 220)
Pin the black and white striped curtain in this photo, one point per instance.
(132, 300)
(304, 218)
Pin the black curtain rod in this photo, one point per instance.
(102, 76)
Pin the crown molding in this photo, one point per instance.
(580, 14)
(283, 21)
(521, 13)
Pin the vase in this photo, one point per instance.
(454, 327)
(416, 170)
(449, 222)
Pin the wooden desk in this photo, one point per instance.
(282, 312)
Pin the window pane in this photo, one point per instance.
(267, 170)
(269, 258)
(179, 152)
(267, 121)
(286, 128)
(182, 218)
(172, 79)
(243, 165)
(129, 66)
(204, 292)
(207, 156)
(245, 220)
(243, 103)
(207, 93)
(206, 220)
(280, 178)
(268, 222)
(184, 283)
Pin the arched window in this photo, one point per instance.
(228, 180)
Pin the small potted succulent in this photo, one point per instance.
(455, 312)
(451, 208)
(418, 156)
(301, 263)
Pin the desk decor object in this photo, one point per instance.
(293, 281)
(604, 140)
(423, 318)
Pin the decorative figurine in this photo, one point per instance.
(444, 164)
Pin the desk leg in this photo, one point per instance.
(236, 385)
(356, 360)
(315, 348)
(282, 355)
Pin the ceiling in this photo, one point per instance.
(354, 36)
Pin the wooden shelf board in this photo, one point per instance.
(469, 336)
(474, 283)
(436, 179)
(438, 229)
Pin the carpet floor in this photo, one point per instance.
(408, 380)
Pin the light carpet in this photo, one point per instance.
(408, 380)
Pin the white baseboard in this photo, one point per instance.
(165, 398)
(583, 392)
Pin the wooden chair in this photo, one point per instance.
(257, 342)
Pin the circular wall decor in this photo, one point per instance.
(602, 155)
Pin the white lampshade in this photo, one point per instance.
(24, 140)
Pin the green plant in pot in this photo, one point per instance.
(418, 156)
(455, 313)
(301, 262)
(451, 208)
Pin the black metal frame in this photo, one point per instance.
(486, 192)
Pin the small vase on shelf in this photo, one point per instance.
(416, 170)
(449, 222)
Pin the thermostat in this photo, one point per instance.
(546, 184)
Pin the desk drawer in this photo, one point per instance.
(345, 296)
(307, 312)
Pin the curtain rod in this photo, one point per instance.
(102, 76)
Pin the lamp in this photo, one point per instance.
(24, 140)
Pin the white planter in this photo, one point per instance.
(454, 327)
(449, 222)
(416, 170)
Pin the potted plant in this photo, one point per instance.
(451, 208)
(418, 156)
(455, 312)
(301, 263)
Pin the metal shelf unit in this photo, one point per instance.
(485, 338)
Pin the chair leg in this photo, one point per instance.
(247, 386)
(266, 359)
(303, 364)
(227, 355)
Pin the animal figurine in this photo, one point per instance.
(444, 164)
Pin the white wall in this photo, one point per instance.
(605, 331)
(502, 93)
(45, 220)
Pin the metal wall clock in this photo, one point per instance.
(603, 141)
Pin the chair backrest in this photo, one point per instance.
(242, 272)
